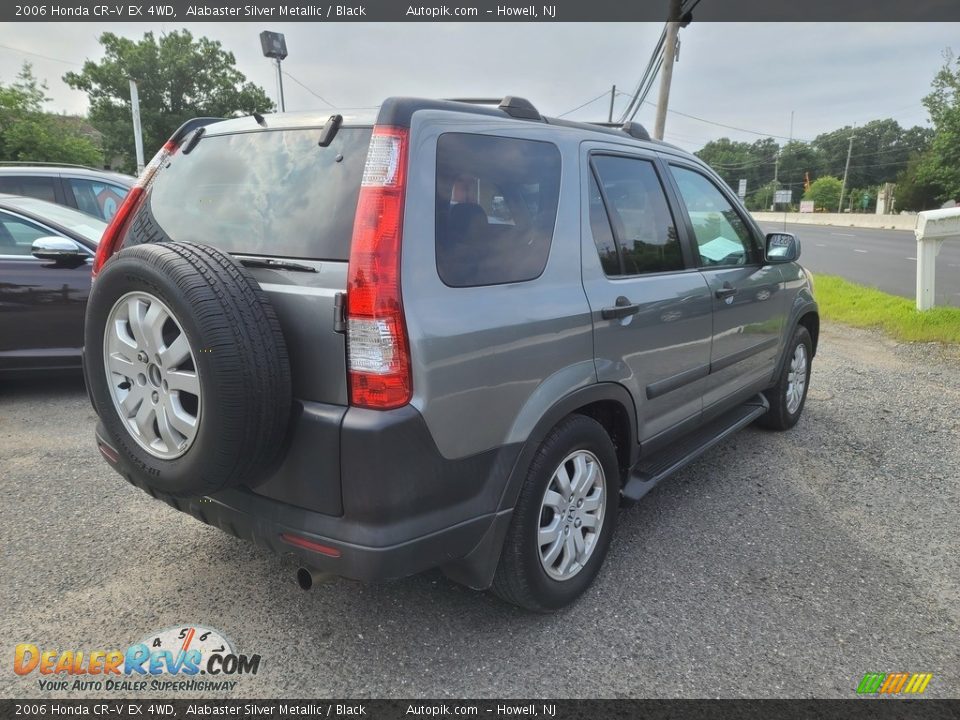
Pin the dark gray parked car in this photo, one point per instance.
(449, 335)
(94, 192)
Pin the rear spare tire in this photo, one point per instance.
(187, 368)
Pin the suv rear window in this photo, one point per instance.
(272, 192)
(496, 207)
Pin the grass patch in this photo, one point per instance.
(846, 302)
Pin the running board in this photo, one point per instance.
(650, 471)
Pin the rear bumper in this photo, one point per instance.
(370, 493)
(267, 523)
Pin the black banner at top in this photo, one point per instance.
(100, 11)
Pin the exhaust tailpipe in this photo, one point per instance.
(308, 577)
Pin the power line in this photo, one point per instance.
(649, 86)
(316, 95)
(588, 102)
(745, 166)
(45, 57)
(729, 127)
(655, 58)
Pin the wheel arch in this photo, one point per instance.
(806, 314)
(612, 406)
(608, 403)
(811, 321)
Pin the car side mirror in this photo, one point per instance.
(782, 247)
(58, 249)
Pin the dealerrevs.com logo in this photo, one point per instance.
(187, 658)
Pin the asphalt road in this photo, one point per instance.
(884, 259)
(779, 565)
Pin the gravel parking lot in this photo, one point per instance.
(779, 565)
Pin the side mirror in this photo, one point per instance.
(58, 249)
(782, 247)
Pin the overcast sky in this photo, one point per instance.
(746, 75)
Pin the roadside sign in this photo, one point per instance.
(806, 206)
(742, 189)
(783, 196)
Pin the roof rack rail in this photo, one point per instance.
(30, 163)
(633, 129)
(516, 107)
(477, 101)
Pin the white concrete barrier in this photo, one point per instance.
(933, 228)
(863, 220)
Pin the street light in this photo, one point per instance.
(275, 46)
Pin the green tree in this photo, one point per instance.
(881, 149)
(938, 169)
(29, 134)
(762, 198)
(178, 77)
(857, 197)
(915, 191)
(825, 193)
(797, 158)
(733, 161)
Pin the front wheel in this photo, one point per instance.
(563, 520)
(789, 395)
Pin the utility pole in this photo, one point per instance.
(776, 164)
(669, 54)
(613, 94)
(846, 170)
(776, 180)
(283, 105)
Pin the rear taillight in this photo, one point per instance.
(377, 347)
(113, 235)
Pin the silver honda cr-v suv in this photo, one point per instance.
(445, 335)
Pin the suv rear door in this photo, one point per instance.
(651, 308)
(269, 194)
(748, 307)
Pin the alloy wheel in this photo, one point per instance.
(152, 375)
(571, 515)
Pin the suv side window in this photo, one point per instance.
(40, 187)
(723, 238)
(496, 207)
(646, 236)
(96, 197)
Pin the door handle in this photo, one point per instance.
(726, 291)
(623, 308)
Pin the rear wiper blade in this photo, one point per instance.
(276, 264)
(329, 131)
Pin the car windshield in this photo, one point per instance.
(82, 224)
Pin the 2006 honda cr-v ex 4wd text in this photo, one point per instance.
(447, 334)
